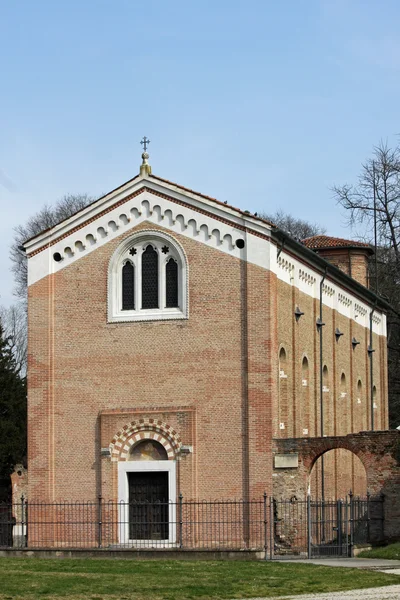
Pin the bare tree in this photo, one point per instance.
(295, 227)
(378, 187)
(375, 199)
(13, 320)
(47, 217)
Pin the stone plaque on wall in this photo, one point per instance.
(286, 461)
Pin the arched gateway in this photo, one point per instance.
(378, 451)
(343, 471)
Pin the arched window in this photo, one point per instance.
(326, 399)
(171, 283)
(343, 408)
(147, 279)
(375, 408)
(150, 278)
(343, 385)
(128, 286)
(285, 424)
(282, 361)
(361, 418)
(305, 408)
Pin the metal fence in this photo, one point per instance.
(323, 528)
(277, 528)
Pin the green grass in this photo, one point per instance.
(391, 552)
(99, 579)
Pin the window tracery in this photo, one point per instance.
(147, 279)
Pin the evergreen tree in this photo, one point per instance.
(12, 410)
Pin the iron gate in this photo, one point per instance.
(324, 528)
(329, 529)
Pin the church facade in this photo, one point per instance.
(173, 337)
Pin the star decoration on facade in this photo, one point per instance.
(165, 249)
(133, 251)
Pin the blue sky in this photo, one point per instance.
(265, 104)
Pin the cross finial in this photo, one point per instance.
(145, 142)
(145, 168)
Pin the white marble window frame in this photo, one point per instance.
(140, 241)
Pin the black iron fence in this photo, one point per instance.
(323, 528)
(276, 528)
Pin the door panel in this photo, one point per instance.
(148, 505)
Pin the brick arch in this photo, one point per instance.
(144, 429)
(335, 443)
(346, 468)
(378, 451)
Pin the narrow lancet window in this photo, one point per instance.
(128, 286)
(171, 284)
(150, 278)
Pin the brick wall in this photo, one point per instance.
(214, 378)
(346, 396)
(353, 262)
(212, 365)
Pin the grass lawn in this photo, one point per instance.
(390, 552)
(95, 579)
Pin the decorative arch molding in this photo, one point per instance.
(144, 429)
(144, 205)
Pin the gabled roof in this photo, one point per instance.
(319, 242)
(239, 210)
(137, 182)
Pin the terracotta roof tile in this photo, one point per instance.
(317, 242)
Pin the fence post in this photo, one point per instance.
(26, 523)
(346, 523)
(309, 526)
(181, 520)
(382, 519)
(339, 524)
(265, 528)
(368, 517)
(351, 496)
(99, 520)
(271, 527)
(24, 536)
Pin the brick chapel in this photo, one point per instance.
(173, 337)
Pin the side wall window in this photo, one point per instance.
(285, 418)
(306, 408)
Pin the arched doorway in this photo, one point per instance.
(343, 471)
(147, 494)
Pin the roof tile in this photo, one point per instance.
(318, 242)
